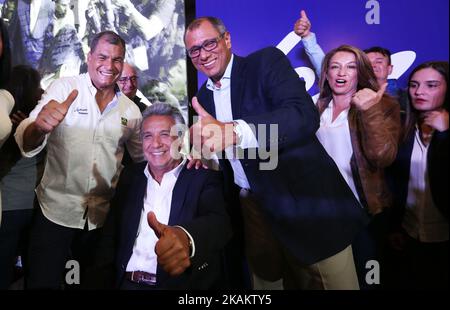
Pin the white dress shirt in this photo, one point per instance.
(158, 199)
(224, 113)
(84, 153)
(423, 220)
(335, 138)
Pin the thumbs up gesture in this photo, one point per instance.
(172, 247)
(208, 134)
(53, 113)
(365, 98)
(302, 26)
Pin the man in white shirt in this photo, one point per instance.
(84, 121)
(168, 225)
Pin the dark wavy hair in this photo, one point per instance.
(24, 86)
(412, 114)
(5, 58)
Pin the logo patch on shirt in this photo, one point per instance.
(83, 111)
(124, 121)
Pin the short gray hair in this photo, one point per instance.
(217, 23)
(164, 109)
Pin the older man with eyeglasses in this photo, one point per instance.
(128, 84)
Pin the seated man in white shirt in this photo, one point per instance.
(168, 225)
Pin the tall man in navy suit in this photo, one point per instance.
(299, 215)
(168, 225)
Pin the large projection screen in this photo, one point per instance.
(53, 36)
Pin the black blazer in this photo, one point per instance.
(197, 205)
(438, 174)
(311, 209)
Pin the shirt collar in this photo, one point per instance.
(327, 115)
(226, 76)
(175, 172)
(93, 91)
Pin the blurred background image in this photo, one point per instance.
(53, 37)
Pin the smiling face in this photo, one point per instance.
(105, 64)
(427, 89)
(381, 66)
(213, 63)
(342, 73)
(157, 143)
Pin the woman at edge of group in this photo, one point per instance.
(419, 178)
(360, 129)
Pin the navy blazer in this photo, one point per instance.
(197, 205)
(311, 209)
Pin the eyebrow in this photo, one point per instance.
(336, 62)
(427, 81)
(200, 45)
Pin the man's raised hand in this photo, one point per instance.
(53, 113)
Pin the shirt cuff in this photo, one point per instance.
(310, 41)
(247, 137)
(191, 240)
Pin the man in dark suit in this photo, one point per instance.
(168, 225)
(299, 215)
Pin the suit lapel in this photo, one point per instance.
(133, 211)
(178, 196)
(206, 99)
(176, 210)
(237, 86)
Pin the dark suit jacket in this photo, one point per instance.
(197, 205)
(438, 175)
(310, 208)
(142, 106)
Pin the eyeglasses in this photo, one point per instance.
(124, 79)
(208, 46)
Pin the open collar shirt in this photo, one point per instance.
(84, 153)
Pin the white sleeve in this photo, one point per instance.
(192, 243)
(314, 52)
(19, 138)
(247, 136)
(6, 105)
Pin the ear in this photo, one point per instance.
(89, 55)
(228, 40)
(390, 68)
